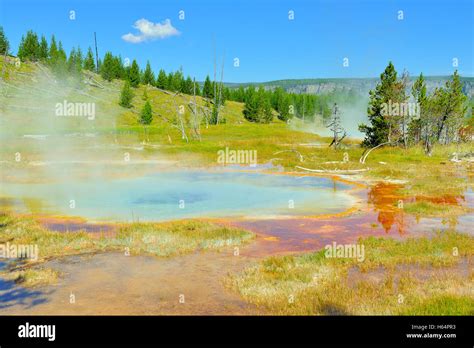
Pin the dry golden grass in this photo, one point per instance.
(408, 277)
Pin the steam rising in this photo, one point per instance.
(352, 114)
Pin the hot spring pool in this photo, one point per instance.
(181, 194)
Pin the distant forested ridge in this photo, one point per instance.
(357, 86)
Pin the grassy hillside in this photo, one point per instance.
(30, 93)
(33, 89)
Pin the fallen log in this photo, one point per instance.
(334, 171)
(300, 156)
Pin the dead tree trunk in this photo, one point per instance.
(218, 107)
(96, 54)
(180, 125)
(196, 122)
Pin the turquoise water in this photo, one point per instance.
(183, 194)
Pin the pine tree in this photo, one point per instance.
(126, 72)
(162, 80)
(53, 51)
(148, 76)
(146, 115)
(240, 95)
(398, 122)
(265, 111)
(452, 103)
(276, 97)
(72, 60)
(29, 48)
(4, 44)
(126, 95)
(418, 128)
(257, 106)
(169, 81)
(74, 63)
(281, 103)
(249, 92)
(182, 86)
(309, 106)
(251, 105)
(188, 86)
(207, 91)
(118, 68)
(61, 53)
(283, 108)
(377, 132)
(58, 59)
(43, 49)
(107, 69)
(78, 62)
(89, 63)
(419, 89)
(134, 74)
(197, 88)
(225, 95)
(21, 48)
(177, 81)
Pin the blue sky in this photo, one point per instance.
(268, 45)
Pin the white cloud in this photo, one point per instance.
(151, 31)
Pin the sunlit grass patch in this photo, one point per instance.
(26, 231)
(432, 209)
(442, 249)
(388, 281)
(33, 277)
(156, 239)
(445, 304)
(161, 239)
(168, 239)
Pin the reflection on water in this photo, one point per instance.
(385, 197)
(384, 200)
(378, 215)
